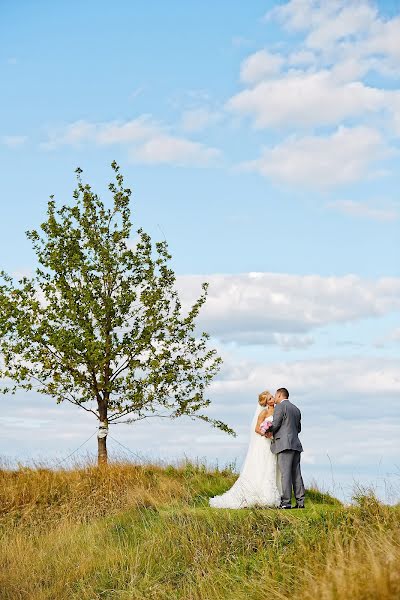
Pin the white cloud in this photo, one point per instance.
(266, 308)
(341, 29)
(338, 43)
(260, 65)
(72, 134)
(131, 131)
(113, 132)
(306, 100)
(364, 210)
(198, 119)
(394, 102)
(316, 161)
(319, 83)
(327, 22)
(384, 39)
(357, 377)
(349, 21)
(14, 141)
(286, 341)
(300, 15)
(301, 57)
(148, 140)
(179, 151)
(352, 68)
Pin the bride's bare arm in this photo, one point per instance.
(263, 415)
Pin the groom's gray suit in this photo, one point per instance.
(286, 427)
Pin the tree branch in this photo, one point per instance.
(141, 419)
(71, 400)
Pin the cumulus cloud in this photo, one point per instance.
(326, 22)
(130, 131)
(319, 81)
(341, 29)
(318, 161)
(301, 57)
(365, 210)
(306, 100)
(266, 308)
(384, 39)
(179, 151)
(301, 15)
(340, 22)
(358, 377)
(260, 65)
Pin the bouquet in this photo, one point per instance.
(266, 425)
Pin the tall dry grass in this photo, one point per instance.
(43, 494)
(133, 532)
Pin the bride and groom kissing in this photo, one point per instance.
(271, 468)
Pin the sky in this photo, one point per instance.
(261, 140)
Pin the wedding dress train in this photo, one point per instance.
(259, 480)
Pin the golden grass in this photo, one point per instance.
(86, 492)
(133, 532)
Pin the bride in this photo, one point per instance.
(259, 482)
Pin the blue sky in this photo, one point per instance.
(263, 141)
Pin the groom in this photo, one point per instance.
(286, 427)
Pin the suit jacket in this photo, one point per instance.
(286, 427)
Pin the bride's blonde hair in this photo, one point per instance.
(263, 395)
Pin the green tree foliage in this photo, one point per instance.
(101, 324)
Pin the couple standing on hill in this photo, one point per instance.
(272, 465)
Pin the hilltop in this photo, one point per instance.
(133, 532)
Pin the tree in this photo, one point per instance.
(100, 324)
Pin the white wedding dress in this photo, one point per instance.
(259, 480)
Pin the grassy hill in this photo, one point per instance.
(133, 532)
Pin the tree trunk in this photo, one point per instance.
(102, 433)
(102, 456)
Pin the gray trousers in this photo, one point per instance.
(289, 466)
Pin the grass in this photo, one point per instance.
(133, 532)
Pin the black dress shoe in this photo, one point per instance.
(297, 506)
(285, 506)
